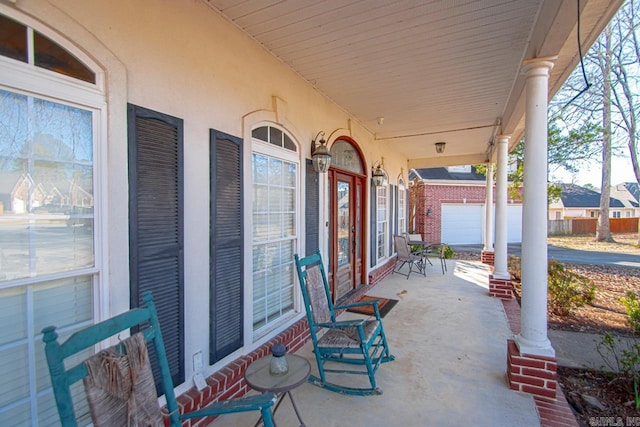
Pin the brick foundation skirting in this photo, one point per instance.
(380, 273)
(500, 288)
(487, 257)
(533, 374)
(555, 411)
(229, 383)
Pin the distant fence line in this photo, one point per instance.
(588, 226)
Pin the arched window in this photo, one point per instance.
(23, 43)
(275, 180)
(49, 134)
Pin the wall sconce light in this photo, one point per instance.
(378, 175)
(440, 147)
(320, 154)
(429, 212)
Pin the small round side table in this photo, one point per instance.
(258, 377)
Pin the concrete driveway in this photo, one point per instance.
(565, 255)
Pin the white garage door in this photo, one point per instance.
(514, 223)
(462, 224)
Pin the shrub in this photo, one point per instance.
(448, 252)
(514, 265)
(568, 290)
(623, 361)
(632, 305)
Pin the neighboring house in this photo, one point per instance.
(580, 202)
(629, 194)
(450, 206)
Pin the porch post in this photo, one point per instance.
(500, 285)
(487, 252)
(500, 248)
(533, 337)
(531, 347)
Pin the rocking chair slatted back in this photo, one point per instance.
(63, 376)
(318, 299)
(353, 342)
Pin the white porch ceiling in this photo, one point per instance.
(439, 70)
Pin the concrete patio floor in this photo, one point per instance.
(449, 338)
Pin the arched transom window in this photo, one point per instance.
(345, 156)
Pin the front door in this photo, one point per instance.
(346, 232)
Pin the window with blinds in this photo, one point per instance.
(402, 208)
(275, 177)
(48, 272)
(382, 217)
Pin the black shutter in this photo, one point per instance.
(226, 237)
(156, 225)
(373, 218)
(312, 213)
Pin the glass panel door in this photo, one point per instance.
(344, 223)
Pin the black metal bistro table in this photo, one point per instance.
(259, 378)
(428, 248)
(424, 248)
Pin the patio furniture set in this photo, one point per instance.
(119, 383)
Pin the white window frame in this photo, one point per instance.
(258, 146)
(402, 207)
(27, 79)
(382, 223)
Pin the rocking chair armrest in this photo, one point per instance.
(358, 304)
(343, 324)
(243, 404)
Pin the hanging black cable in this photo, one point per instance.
(584, 73)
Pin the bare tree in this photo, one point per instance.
(603, 231)
(626, 59)
(613, 66)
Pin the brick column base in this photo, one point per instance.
(500, 288)
(528, 373)
(487, 257)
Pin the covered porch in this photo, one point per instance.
(237, 86)
(449, 338)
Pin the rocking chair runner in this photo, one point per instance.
(62, 377)
(355, 342)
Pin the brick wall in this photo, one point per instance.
(229, 383)
(531, 374)
(432, 196)
(375, 276)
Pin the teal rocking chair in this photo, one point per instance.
(352, 342)
(63, 375)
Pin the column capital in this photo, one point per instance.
(503, 138)
(536, 66)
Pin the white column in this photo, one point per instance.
(501, 270)
(533, 337)
(488, 210)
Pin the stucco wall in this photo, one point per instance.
(181, 58)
